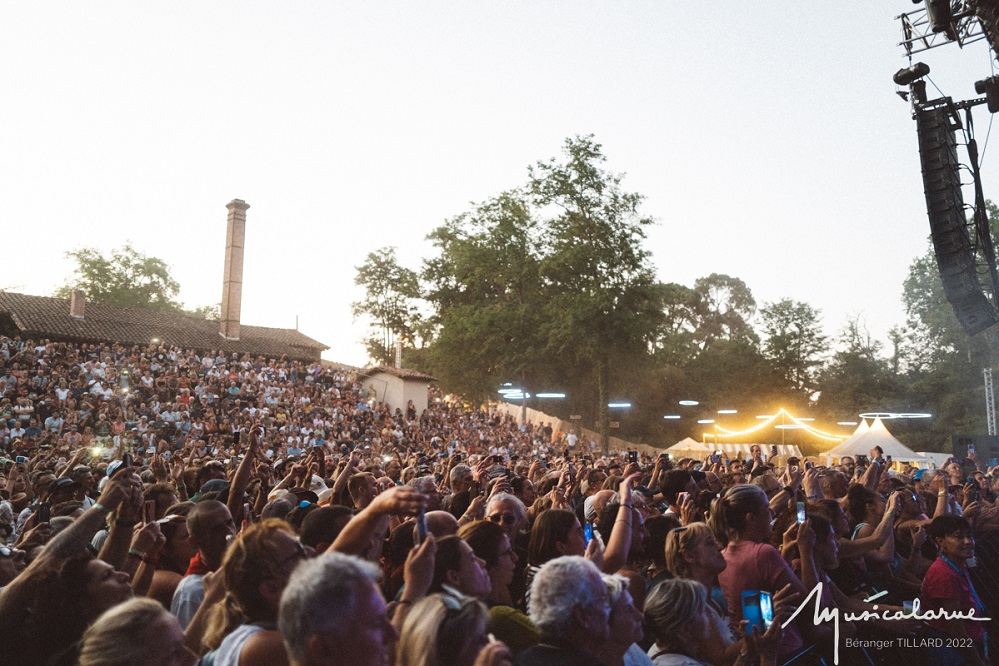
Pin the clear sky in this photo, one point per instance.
(767, 138)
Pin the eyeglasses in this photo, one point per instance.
(505, 518)
(299, 554)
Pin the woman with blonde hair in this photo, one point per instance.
(243, 628)
(135, 633)
(625, 621)
(678, 616)
(445, 630)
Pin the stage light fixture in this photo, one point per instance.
(907, 75)
(990, 88)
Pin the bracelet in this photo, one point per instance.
(135, 552)
(623, 520)
(100, 507)
(941, 493)
(630, 506)
(464, 516)
(406, 602)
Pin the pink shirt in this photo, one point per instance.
(756, 566)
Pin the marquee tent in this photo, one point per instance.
(877, 435)
(688, 448)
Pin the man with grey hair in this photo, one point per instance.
(427, 486)
(508, 511)
(333, 613)
(461, 480)
(570, 607)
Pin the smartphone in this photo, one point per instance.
(757, 609)
(971, 448)
(497, 459)
(44, 513)
(971, 495)
(421, 527)
(148, 511)
(126, 460)
(681, 498)
(773, 451)
(801, 512)
(906, 608)
(588, 533)
(715, 458)
(808, 465)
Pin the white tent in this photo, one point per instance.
(848, 442)
(688, 448)
(876, 435)
(933, 459)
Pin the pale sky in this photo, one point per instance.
(767, 138)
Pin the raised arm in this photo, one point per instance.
(356, 536)
(616, 554)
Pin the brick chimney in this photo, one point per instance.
(232, 275)
(77, 304)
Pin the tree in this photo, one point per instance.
(391, 293)
(486, 287)
(857, 379)
(727, 308)
(211, 312)
(604, 298)
(126, 278)
(794, 343)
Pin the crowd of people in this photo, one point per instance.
(165, 506)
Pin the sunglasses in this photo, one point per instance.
(505, 518)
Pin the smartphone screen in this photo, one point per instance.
(421, 527)
(801, 512)
(44, 513)
(757, 609)
(148, 511)
(588, 533)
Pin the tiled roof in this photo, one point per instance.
(402, 373)
(42, 316)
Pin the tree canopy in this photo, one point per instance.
(127, 278)
(550, 286)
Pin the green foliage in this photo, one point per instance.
(603, 294)
(490, 300)
(390, 303)
(126, 278)
(858, 378)
(794, 342)
(211, 312)
(550, 286)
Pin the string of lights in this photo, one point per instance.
(725, 433)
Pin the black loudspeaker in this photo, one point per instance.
(986, 448)
(948, 226)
